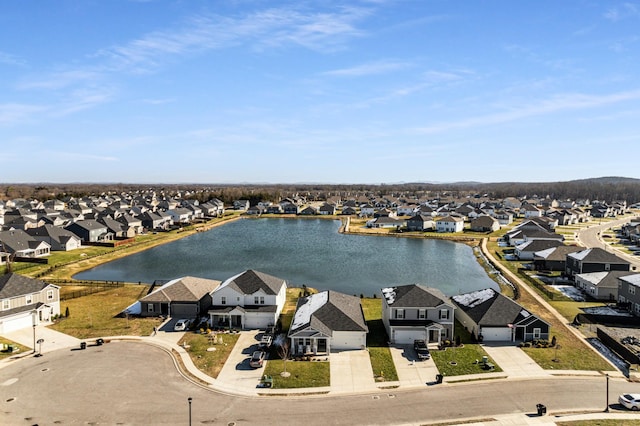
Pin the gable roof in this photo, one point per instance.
(557, 253)
(250, 281)
(327, 312)
(603, 279)
(185, 289)
(413, 296)
(489, 308)
(14, 285)
(596, 255)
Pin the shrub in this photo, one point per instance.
(66, 312)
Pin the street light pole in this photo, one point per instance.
(189, 399)
(34, 320)
(606, 410)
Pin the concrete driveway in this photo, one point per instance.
(53, 340)
(351, 372)
(237, 374)
(513, 361)
(411, 371)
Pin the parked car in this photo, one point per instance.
(630, 401)
(257, 359)
(265, 341)
(421, 349)
(182, 325)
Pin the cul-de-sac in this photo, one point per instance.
(550, 335)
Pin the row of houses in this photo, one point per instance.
(34, 232)
(331, 320)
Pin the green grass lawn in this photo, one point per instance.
(303, 374)
(209, 362)
(95, 315)
(381, 361)
(464, 358)
(20, 348)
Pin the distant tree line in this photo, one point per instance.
(606, 189)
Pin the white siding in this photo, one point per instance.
(342, 340)
(496, 334)
(17, 322)
(406, 337)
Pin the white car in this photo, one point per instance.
(630, 401)
(182, 325)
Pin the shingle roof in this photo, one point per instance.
(250, 281)
(336, 312)
(14, 285)
(185, 289)
(490, 308)
(414, 296)
(597, 255)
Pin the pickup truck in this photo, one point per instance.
(265, 341)
(421, 349)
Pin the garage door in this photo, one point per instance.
(406, 337)
(184, 310)
(16, 323)
(497, 334)
(254, 321)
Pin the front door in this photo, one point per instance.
(322, 345)
(434, 336)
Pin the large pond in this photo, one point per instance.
(305, 251)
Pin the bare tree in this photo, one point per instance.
(282, 344)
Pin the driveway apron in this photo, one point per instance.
(513, 361)
(236, 374)
(351, 372)
(52, 340)
(411, 371)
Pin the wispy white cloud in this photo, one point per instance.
(9, 59)
(380, 67)
(61, 79)
(13, 113)
(555, 104)
(268, 28)
(624, 11)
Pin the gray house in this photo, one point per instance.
(594, 260)
(412, 312)
(490, 316)
(629, 292)
(90, 231)
(26, 301)
(186, 297)
(327, 321)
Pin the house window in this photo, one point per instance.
(223, 300)
(632, 290)
(262, 300)
(637, 308)
(444, 314)
(256, 300)
(421, 314)
(536, 333)
(5, 304)
(49, 294)
(28, 299)
(150, 307)
(399, 313)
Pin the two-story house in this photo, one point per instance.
(25, 302)
(415, 312)
(249, 300)
(629, 292)
(594, 260)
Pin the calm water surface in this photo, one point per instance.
(310, 252)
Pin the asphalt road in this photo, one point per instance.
(589, 237)
(132, 383)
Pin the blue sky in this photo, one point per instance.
(361, 91)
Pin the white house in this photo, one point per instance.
(449, 224)
(249, 300)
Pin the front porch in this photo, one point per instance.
(229, 317)
(310, 343)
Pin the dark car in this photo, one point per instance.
(257, 359)
(421, 349)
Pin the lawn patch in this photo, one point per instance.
(96, 315)
(381, 360)
(18, 349)
(457, 361)
(303, 374)
(209, 362)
